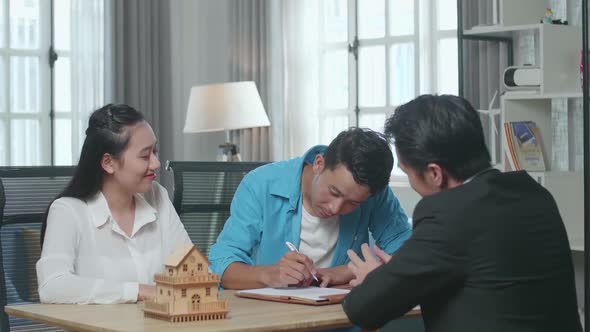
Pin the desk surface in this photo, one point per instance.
(244, 315)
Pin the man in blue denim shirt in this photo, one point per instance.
(324, 203)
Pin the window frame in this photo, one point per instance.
(43, 116)
(426, 38)
(45, 149)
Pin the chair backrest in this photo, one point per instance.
(25, 193)
(203, 192)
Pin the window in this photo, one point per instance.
(161, 291)
(33, 83)
(184, 267)
(378, 54)
(24, 81)
(200, 267)
(208, 291)
(62, 87)
(183, 292)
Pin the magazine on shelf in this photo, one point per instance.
(522, 144)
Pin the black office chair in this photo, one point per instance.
(25, 193)
(202, 195)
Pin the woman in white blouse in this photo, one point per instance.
(109, 231)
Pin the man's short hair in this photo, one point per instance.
(445, 130)
(365, 153)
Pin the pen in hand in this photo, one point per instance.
(292, 248)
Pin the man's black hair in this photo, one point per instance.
(445, 130)
(365, 153)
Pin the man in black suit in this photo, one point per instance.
(489, 250)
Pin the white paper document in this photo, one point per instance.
(311, 293)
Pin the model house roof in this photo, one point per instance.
(180, 253)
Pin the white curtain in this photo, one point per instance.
(301, 75)
(275, 44)
(87, 65)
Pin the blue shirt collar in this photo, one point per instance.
(289, 185)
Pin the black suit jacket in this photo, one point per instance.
(489, 255)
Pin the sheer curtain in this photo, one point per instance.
(87, 65)
(301, 75)
(282, 36)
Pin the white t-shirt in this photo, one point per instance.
(318, 238)
(87, 258)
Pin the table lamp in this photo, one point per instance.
(225, 107)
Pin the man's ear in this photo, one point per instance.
(319, 163)
(435, 176)
(107, 162)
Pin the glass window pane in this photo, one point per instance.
(25, 145)
(3, 155)
(3, 85)
(448, 74)
(402, 75)
(372, 76)
(335, 79)
(371, 18)
(396, 170)
(24, 84)
(61, 24)
(401, 17)
(2, 24)
(63, 142)
(335, 20)
(374, 121)
(62, 85)
(24, 24)
(331, 126)
(447, 14)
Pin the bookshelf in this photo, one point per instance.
(557, 53)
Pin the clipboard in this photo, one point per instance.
(296, 295)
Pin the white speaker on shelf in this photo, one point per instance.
(522, 77)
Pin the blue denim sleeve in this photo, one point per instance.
(389, 224)
(242, 230)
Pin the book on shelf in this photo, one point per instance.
(522, 145)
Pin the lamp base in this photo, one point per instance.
(228, 152)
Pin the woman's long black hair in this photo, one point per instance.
(105, 134)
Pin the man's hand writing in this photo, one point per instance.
(293, 269)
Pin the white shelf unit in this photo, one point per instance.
(566, 187)
(568, 190)
(557, 53)
(513, 12)
(558, 56)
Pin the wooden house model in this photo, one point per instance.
(186, 291)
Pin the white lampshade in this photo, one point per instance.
(224, 106)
